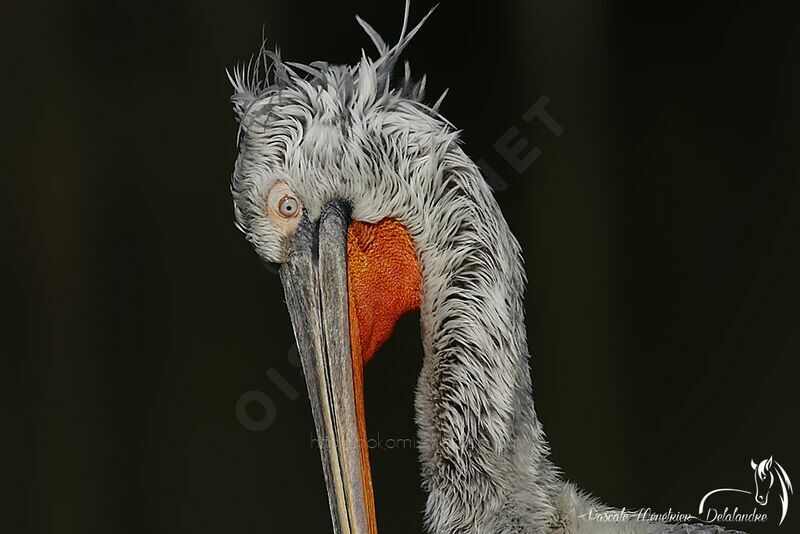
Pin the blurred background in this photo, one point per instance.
(150, 379)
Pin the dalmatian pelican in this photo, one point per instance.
(361, 194)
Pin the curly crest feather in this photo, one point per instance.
(266, 74)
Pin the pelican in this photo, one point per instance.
(361, 194)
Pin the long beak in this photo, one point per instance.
(315, 282)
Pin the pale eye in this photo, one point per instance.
(288, 206)
(284, 207)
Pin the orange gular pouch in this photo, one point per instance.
(383, 281)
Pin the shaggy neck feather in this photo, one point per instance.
(482, 449)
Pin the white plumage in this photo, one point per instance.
(349, 132)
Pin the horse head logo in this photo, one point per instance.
(765, 473)
(762, 472)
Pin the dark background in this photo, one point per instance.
(660, 234)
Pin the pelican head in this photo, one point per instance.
(360, 193)
(337, 178)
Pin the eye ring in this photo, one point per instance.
(288, 206)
